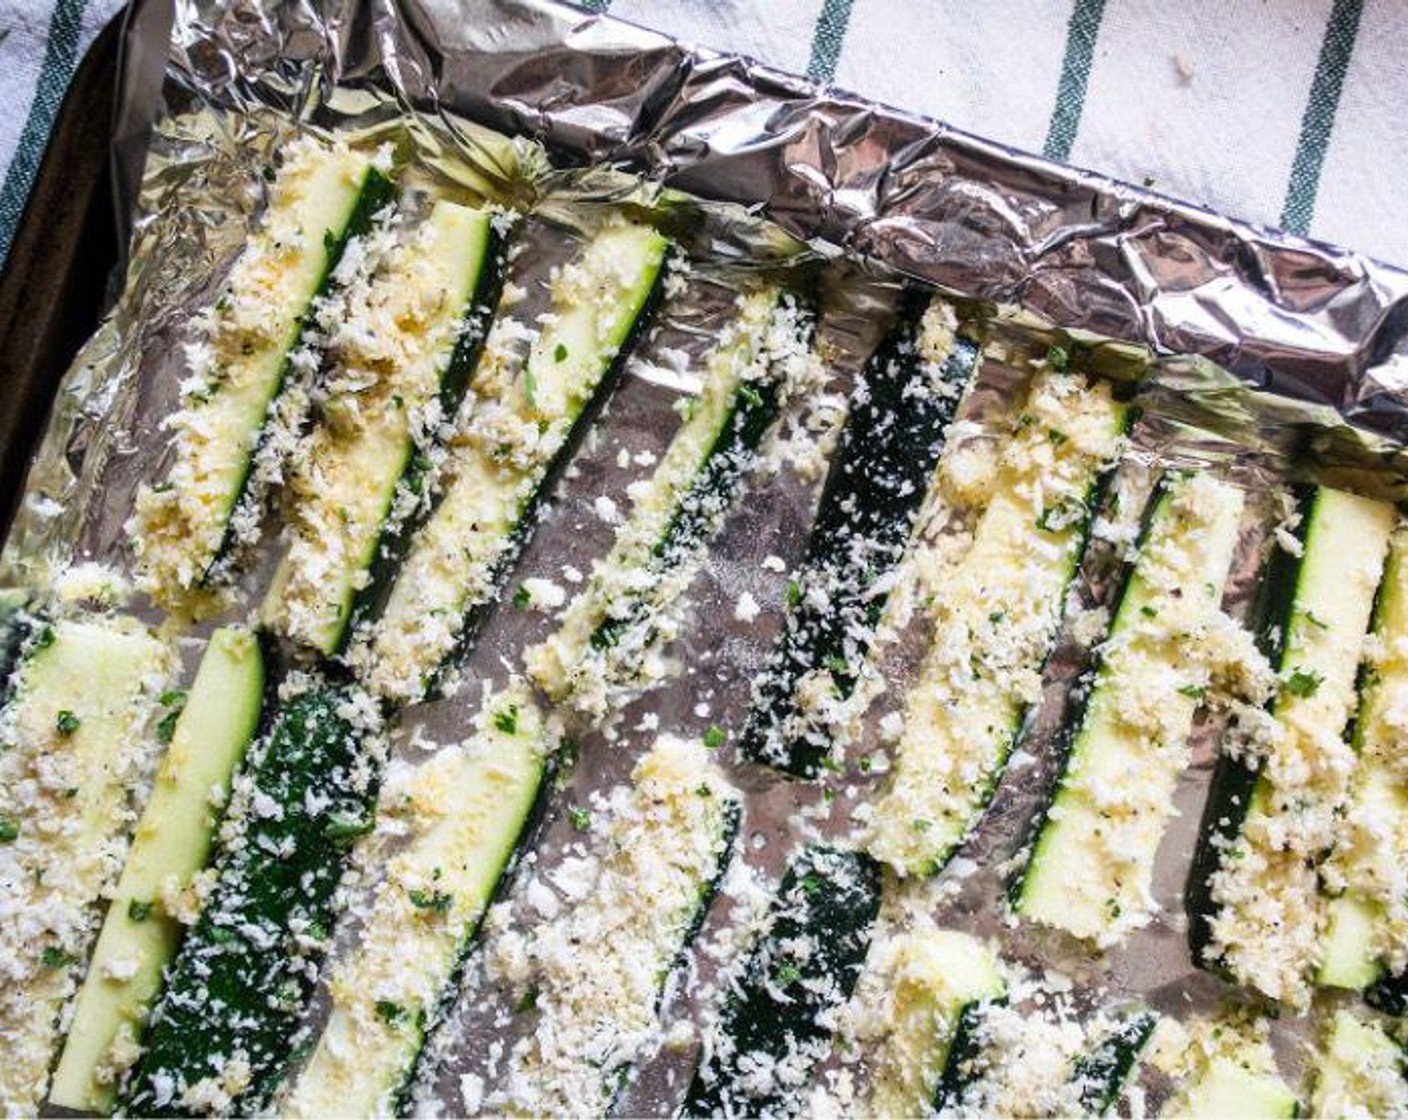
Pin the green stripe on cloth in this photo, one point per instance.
(60, 55)
(1319, 120)
(1081, 33)
(827, 38)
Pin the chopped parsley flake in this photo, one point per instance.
(437, 902)
(344, 827)
(581, 818)
(522, 597)
(392, 1014)
(175, 701)
(715, 737)
(507, 719)
(67, 723)
(139, 911)
(53, 957)
(9, 830)
(1303, 683)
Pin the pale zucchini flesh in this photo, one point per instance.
(1359, 1070)
(172, 842)
(994, 623)
(467, 809)
(1226, 1088)
(322, 196)
(1091, 868)
(1369, 917)
(387, 375)
(77, 734)
(458, 557)
(927, 981)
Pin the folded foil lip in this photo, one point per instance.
(976, 218)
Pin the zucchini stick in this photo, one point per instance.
(604, 652)
(250, 368)
(395, 370)
(895, 432)
(1091, 867)
(223, 1032)
(1274, 803)
(77, 736)
(143, 924)
(502, 464)
(995, 621)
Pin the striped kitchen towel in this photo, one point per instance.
(1284, 112)
(1288, 113)
(41, 42)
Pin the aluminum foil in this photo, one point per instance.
(1264, 356)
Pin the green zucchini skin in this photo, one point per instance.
(1233, 782)
(228, 992)
(755, 407)
(961, 1066)
(869, 504)
(377, 192)
(829, 898)
(16, 625)
(455, 382)
(728, 844)
(1389, 994)
(1102, 1073)
(479, 612)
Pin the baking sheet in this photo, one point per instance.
(1265, 357)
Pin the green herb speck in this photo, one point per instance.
(506, 720)
(1302, 683)
(437, 902)
(392, 1014)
